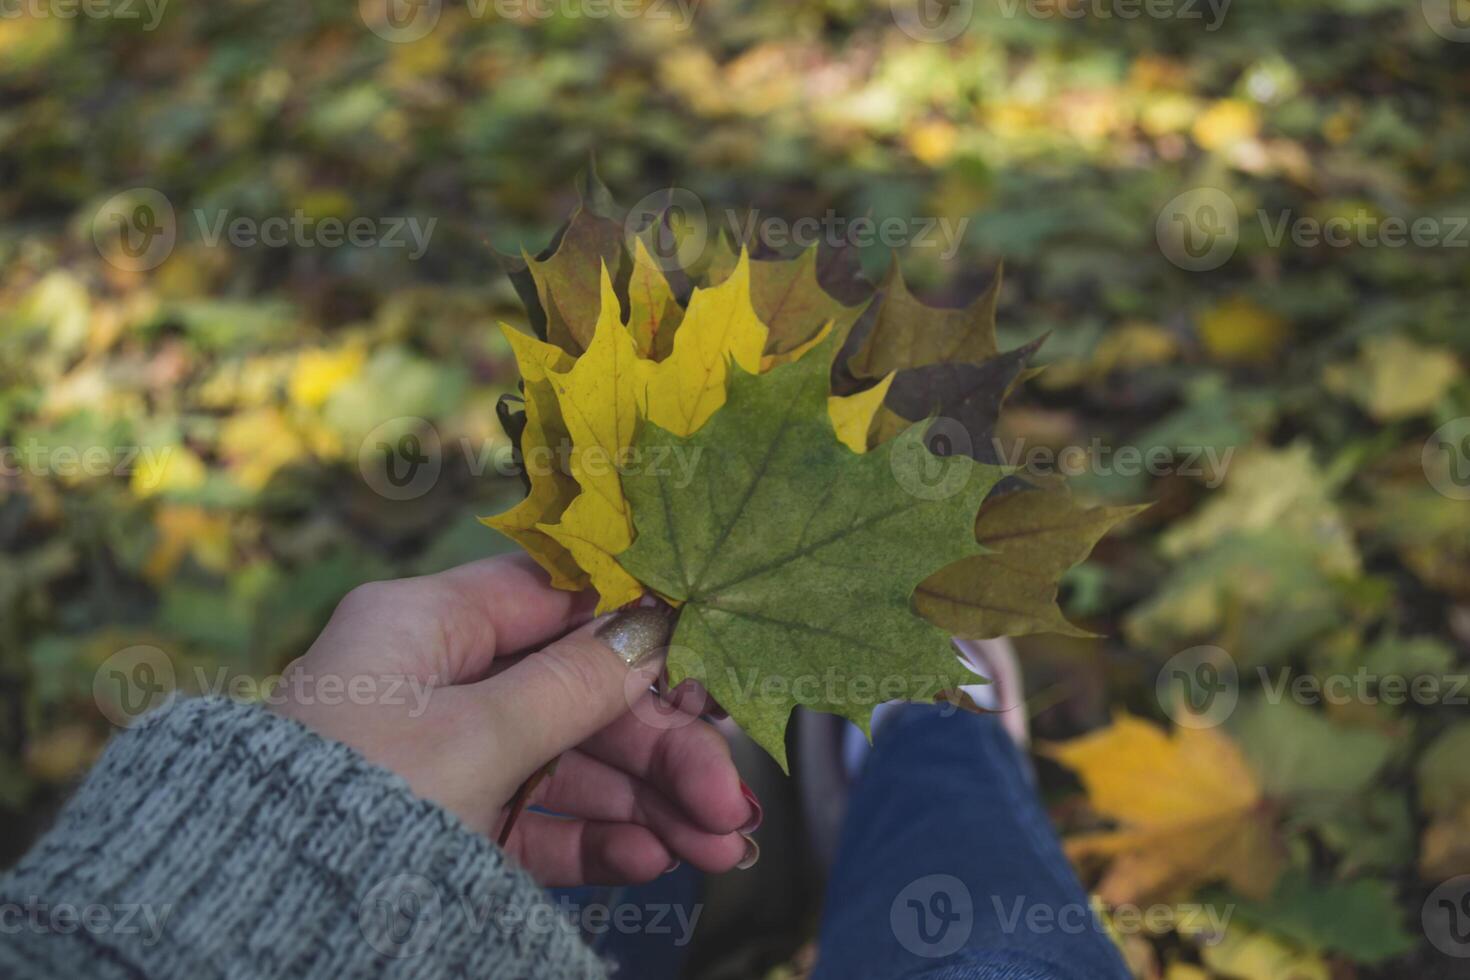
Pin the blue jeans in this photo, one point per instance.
(947, 869)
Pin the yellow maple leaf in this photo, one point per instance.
(653, 312)
(1188, 808)
(852, 415)
(576, 521)
(721, 325)
(598, 397)
(551, 488)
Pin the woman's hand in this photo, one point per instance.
(427, 678)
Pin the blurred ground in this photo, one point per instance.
(1244, 225)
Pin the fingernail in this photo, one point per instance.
(752, 854)
(756, 813)
(635, 634)
(673, 866)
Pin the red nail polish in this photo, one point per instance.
(756, 813)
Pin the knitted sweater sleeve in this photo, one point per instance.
(216, 839)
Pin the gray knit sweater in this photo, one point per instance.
(216, 839)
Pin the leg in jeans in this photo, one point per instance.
(948, 867)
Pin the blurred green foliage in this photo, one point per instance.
(231, 389)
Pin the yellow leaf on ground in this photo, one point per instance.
(62, 753)
(721, 325)
(1395, 378)
(852, 416)
(1185, 971)
(552, 488)
(258, 443)
(1444, 848)
(188, 530)
(170, 468)
(1226, 123)
(598, 397)
(1242, 954)
(1187, 805)
(1280, 490)
(1239, 330)
(318, 373)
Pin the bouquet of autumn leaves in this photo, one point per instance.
(810, 481)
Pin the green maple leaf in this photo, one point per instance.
(795, 559)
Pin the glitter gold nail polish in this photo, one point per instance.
(636, 634)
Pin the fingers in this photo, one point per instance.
(503, 605)
(560, 852)
(556, 698)
(453, 624)
(686, 759)
(586, 788)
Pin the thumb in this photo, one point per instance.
(562, 695)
